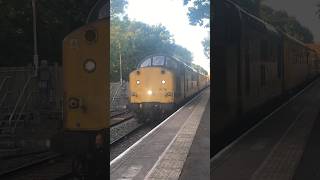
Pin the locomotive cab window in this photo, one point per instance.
(158, 61)
(146, 63)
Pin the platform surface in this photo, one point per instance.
(197, 165)
(161, 154)
(274, 147)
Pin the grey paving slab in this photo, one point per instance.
(273, 149)
(308, 167)
(136, 163)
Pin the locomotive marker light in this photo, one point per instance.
(138, 82)
(163, 81)
(91, 35)
(90, 65)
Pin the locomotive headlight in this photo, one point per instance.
(163, 81)
(138, 82)
(89, 65)
(149, 92)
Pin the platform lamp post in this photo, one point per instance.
(120, 63)
(35, 55)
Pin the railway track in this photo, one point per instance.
(120, 117)
(122, 124)
(119, 145)
(41, 165)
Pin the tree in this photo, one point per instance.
(199, 14)
(138, 40)
(318, 11)
(282, 21)
(55, 20)
(206, 47)
(117, 7)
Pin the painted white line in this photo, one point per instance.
(153, 130)
(217, 156)
(130, 173)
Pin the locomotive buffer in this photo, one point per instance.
(171, 150)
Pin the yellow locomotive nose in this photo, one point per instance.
(151, 84)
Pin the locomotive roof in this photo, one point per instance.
(294, 39)
(314, 47)
(172, 57)
(266, 25)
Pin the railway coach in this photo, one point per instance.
(256, 66)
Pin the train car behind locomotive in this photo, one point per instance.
(257, 66)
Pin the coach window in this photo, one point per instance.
(146, 63)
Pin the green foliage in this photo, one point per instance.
(206, 47)
(199, 14)
(117, 7)
(280, 19)
(200, 69)
(318, 11)
(54, 21)
(135, 40)
(287, 24)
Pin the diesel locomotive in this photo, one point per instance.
(161, 82)
(85, 83)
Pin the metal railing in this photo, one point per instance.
(3, 82)
(22, 94)
(22, 111)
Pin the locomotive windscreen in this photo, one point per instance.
(159, 60)
(153, 61)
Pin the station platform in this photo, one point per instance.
(170, 150)
(282, 146)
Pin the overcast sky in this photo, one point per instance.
(303, 10)
(173, 15)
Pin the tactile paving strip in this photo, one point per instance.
(282, 161)
(170, 163)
